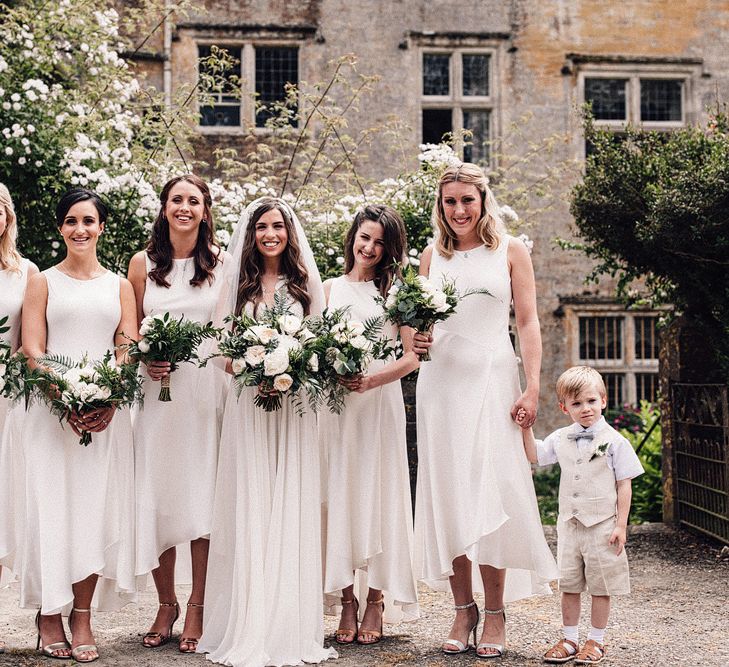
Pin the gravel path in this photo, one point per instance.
(676, 616)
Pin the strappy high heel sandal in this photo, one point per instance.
(163, 639)
(498, 648)
(348, 635)
(191, 642)
(460, 647)
(49, 649)
(375, 634)
(83, 648)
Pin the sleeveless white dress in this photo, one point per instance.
(369, 510)
(75, 514)
(475, 494)
(12, 291)
(263, 598)
(176, 442)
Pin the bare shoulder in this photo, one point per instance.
(517, 253)
(425, 259)
(37, 282)
(32, 269)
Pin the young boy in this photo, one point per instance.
(597, 464)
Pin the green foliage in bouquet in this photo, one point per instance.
(346, 347)
(166, 338)
(14, 370)
(67, 386)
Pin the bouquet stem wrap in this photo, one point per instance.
(164, 391)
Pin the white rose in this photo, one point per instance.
(102, 393)
(238, 366)
(440, 302)
(356, 328)
(361, 343)
(146, 325)
(289, 323)
(287, 343)
(254, 355)
(260, 332)
(314, 362)
(143, 346)
(88, 392)
(390, 301)
(276, 362)
(73, 376)
(283, 382)
(305, 336)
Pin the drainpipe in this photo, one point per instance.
(167, 64)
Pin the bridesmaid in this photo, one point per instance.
(265, 577)
(14, 273)
(78, 517)
(176, 442)
(369, 524)
(477, 523)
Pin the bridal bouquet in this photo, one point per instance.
(415, 302)
(276, 353)
(348, 347)
(67, 386)
(166, 338)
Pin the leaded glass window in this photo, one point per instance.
(660, 100)
(476, 74)
(608, 98)
(478, 122)
(436, 74)
(276, 66)
(225, 107)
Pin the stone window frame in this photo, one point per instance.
(628, 366)
(248, 81)
(687, 70)
(491, 44)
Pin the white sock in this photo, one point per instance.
(571, 632)
(598, 634)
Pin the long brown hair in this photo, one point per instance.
(292, 267)
(206, 252)
(489, 225)
(394, 239)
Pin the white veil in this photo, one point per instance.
(235, 250)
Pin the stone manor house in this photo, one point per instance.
(481, 65)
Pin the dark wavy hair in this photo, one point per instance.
(394, 239)
(251, 262)
(159, 248)
(74, 196)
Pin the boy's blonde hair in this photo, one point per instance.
(577, 378)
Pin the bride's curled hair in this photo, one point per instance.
(292, 267)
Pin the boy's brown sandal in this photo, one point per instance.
(559, 653)
(591, 653)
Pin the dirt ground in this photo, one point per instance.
(677, 615)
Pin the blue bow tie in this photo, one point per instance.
(587, 435)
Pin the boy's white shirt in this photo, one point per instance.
(620, 456)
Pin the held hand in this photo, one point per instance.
(93, 421)
(422, 342)
(158, 369)
(358, 383)
(618, 538)
(526, 406)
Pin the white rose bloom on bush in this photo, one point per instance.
(275, 363)
(283, 382)
(439, 301)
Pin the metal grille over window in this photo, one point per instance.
(660, 100)
(225, 109)
(607, 97)
(436, 74)
(478, 122)
(614, 386)
(475, 74)
(601, 338)
(646, 338)
(275, 67)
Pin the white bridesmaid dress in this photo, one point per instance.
(74, 512)
(263, 600)
(369, 510)
(475, 494)
(12, 291)
(176, 442)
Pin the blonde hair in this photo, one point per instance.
(489, 226)
(576, 379)
(9, 256)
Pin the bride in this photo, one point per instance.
(264, 586)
